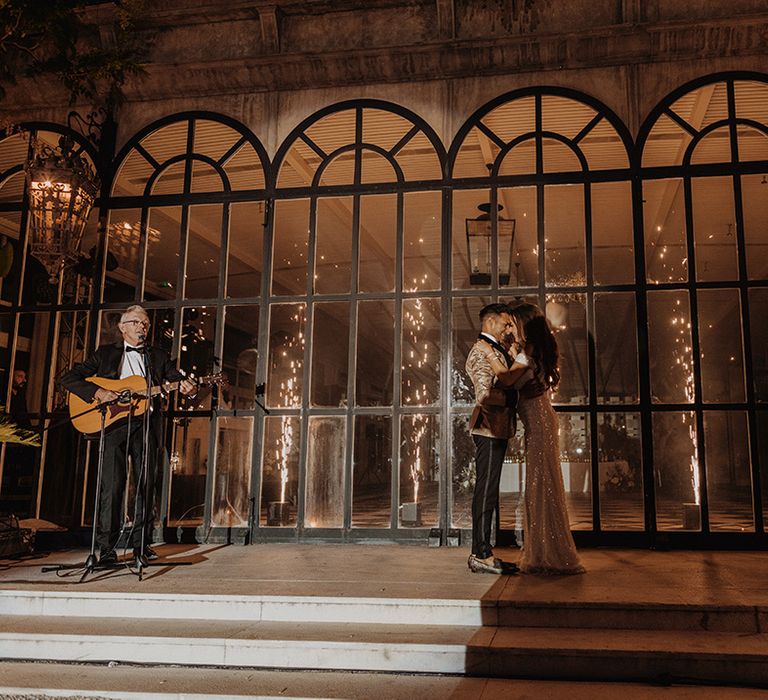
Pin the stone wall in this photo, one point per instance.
(270, 65)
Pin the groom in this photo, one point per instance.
(492, 424)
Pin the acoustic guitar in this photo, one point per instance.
(133, 400)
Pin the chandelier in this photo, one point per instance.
(62, 187)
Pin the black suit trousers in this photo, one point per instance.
(489, 458)
(118, 445)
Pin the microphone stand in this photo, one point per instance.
(91, 564)
(141, 561)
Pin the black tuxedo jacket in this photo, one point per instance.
(105, 362)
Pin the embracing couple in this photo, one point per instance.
(513, 366)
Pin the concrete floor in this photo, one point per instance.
(392, 571)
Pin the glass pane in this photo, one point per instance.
(376, 168)
(471, 158)
(666, 143)
(171, 180)
(558, 157)
(333, 244)
(714, 226)
(375, 353)
(419, 471)
(420, 352)
(378, 238)
(196, 350)
(762, 451)
(246, 236)
(753, 144)
(383, 128)
(613, 250)
(205, 178)
(286, 355)
(476, 273)
(576, 464)
(324, 505)
(520, 160)
(603, 147)
(514, 118)
(418, 159)
(372, 472)
(340, 171)
(567, 315)
(616, 348)
(290, 244)
(729, 471)
(330, 354)
(244, 169)
(511, 487)
(715, 147)
(758, 312)
(241, 335)
(203, 251)
(754, 190)
(722, 356)
(676, 471)
(10, 256)
(189, 467)
(280, 471)
(214, 139)
(462, 471)
(564, 235)
(703, 106)
(133, 175)
(562, 115)
(422, 240)
(669, 341)
(520, 204)
(25, 384)
(232, 476)
(620, 461)
(666, 251)
(124, 239)
(464, 329)
(167, 141)
(162, 253)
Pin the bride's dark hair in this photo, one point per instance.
(543, 349)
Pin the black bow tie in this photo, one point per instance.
(128, 348)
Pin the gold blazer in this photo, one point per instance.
(491, 417)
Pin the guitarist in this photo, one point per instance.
(118, 361)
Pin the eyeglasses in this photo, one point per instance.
(132, 322)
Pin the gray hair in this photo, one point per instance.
(136, 308)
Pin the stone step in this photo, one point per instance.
(747, 619)
(580, 654)
(129, 682)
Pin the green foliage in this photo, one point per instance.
(52, 37)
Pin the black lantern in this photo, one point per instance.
(62, 187)
(479, 246)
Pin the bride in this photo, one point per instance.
(548, 546)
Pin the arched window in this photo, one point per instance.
(355, 307)
(705, 207)
(542, 212)
(186, 240)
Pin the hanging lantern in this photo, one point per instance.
(62, 188)
(479, 246)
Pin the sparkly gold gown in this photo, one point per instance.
(548, 546)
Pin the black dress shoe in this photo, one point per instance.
(108, 558)
(139, 560)
(150, 553)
